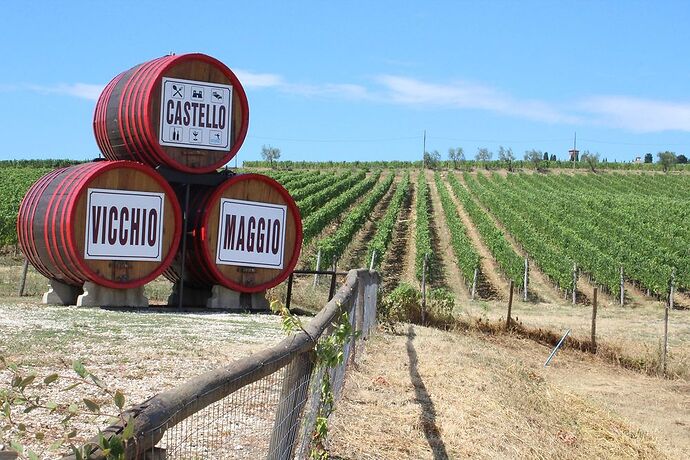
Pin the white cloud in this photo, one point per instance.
(466, 95)
(258, 80)
(80, 90)
(637, 114)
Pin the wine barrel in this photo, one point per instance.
(188, 112)
(245, 234)
(115, 223)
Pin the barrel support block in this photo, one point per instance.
(61, 294)
(100, 296)
(228, 299)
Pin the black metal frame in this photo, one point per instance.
(331, 290)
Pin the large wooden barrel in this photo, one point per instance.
(188, 112)
(246, 235)
(115, 223)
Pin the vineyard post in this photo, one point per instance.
(474, 282)
(622, 288)
(510, 305)
(594, 319)
(574, 283)
(669, 306)
(373, 259)
(524, 281)
(22, 280)
(318, 267)
(426, 256)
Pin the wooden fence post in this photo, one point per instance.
(669, 306)
(524, 281)
(574, 283)
(318, 267)
(424, 288)
(474, 283)
(373, 259)
(509, 320)
(594, 319)
(622, 288)
(22, 280)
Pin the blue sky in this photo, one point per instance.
(362, 80)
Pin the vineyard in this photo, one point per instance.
(573, 228)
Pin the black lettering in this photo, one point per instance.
(142, 240)
(168, 111)
(95, 222)
(104, 226)
(275, 241)
(178, 113)
(124, 217)
(251, 236)
(185, 118)
(261, 236)
(229, 240)
(240, 235)
(152, 227)
(195, 106)
(112, 231)
(202, 114)
(221, 117)
(215, 117)
(134, 224)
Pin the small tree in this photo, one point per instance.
(648, 158)
(681, 159)
(553, 157)
(507, 156)
(270, 154)
(666, 159)
(456, 155)
(592, 159)
(483, 155)
(546, 156)
(431, 159)
(535, 156)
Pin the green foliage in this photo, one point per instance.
(328, 210)
(27, 394)
(423, 227)
(466, 256)
(384, 228)
(402, 304)
(14, 183)
(333, 245)
(510, 262)
(310, 203)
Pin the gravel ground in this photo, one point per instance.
(140, 353)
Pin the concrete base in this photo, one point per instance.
(225, 298)
(99, 296)
(61, 294)
(192, 297)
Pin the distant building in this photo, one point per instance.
(574, 155)
(638, 160)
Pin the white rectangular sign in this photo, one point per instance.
(251, 234)
(124, 225)
(195, 114)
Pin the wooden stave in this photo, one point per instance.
(120, 144)
(58, 245)
(200, 269)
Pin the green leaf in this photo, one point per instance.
(40, 436)
(27, 381)
(79, 369)
(32, 455)
(21, 427)
(50, 379)
(17, 447)
(16, 380)
(72, 387)
(128, 432)
(119, 399)
(51, 405)
(117, 448)
(97, 381)
(73, 409)
(56, 445)
(92, 406)
(72, 434)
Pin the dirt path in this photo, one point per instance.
(538, 281)
(408, 223)
(453, 277)
(394, 265)
(356, 251)
(489, 266)
(660, 407)
(422, 393)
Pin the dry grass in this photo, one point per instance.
(425, 393)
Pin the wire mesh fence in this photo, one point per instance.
(263, 406)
